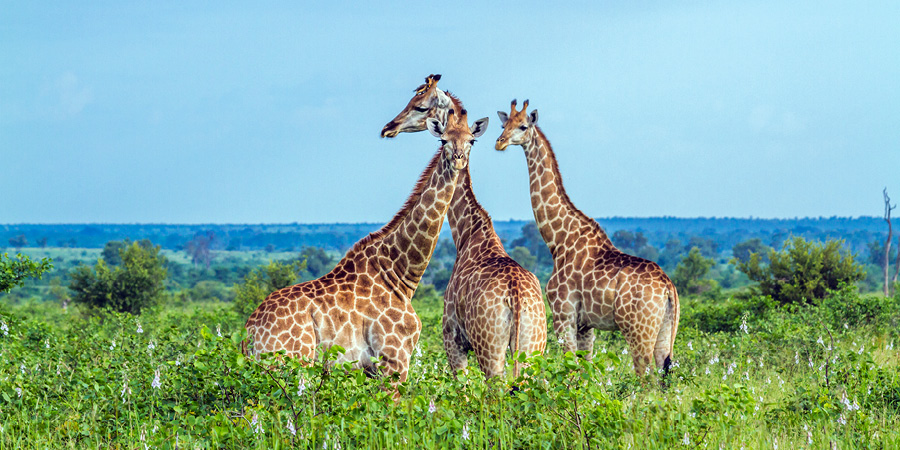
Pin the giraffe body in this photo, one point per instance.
(363, 303)
(491, 303)
(593, 285)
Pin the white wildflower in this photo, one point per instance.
(4, 328)
(139, 329)
(47, 343)
(155, 384)
(776, 443)
(811, 362)
(290, 427)
(686, 440)
(431, 407)
(625, 351)
(820, 341)
(301, 387)
(125, 390)
(809, 438)
(796, 357)
(257, 427)
(860, 352)
(690, 345)
(218, 331)
(841, 420)
(465, 432)
(113, 345)
(603, 350)
(19, 392)
(560, 341)
(744, 327)
(608, 382)
(707, 370)
(151, 345)
(22, 367)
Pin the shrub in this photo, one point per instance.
(135, 284)
(689, 273)
(262, 281)
(14, 272)
(803, 271)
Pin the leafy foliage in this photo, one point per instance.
(690, 272)
(14, 272)
(742, 250)
(803, 271)
(135, 284)
(262, 281)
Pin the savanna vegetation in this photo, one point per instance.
(783, 343)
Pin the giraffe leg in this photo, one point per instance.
(454, 340)
(585, 338)
(564, 315)
(532, 330)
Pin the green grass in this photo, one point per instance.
(775, 381)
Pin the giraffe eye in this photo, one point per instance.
(420, 109)
(443, 142)
(472, 142)
(523, 128)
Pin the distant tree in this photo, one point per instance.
(200, 248)
(524, 257)
(875, 253)
(708, 247)
(270, 248)
(59, 292)
(690, 272)
(887, 243)
(803, 271)
(262, 281)
(445, 250)
(629, 242)
(426, 294)
(671, 254)
(112, 251)
(137, 283)
(14, 272)
(18, 242)
(532, 240)
(742, 250)
(42, 242)
(318, 262)
(441, 278)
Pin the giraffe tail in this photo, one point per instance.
(670, 326)
(517, 320)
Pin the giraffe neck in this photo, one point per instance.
(410, 237)
(555, 215)
(470, 224)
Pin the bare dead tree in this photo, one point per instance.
(887, 244)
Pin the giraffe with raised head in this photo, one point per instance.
(363, 304)
(491, 303)
(593, 284)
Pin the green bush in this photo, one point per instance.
(802, 272)
(133, 285)
(14, 272)
(690, 272)
(262, 281)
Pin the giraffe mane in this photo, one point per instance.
(457, 105)
(565, 196)
(392, 225)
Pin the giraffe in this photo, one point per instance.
(593, 284)
(363, 304)
(491, 303)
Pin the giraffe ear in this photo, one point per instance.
(479, 127)
(532, 118)
(434, 126)
(503, 118)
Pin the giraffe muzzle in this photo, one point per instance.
(390, 130)
(502, 143)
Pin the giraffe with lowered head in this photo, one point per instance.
(593, 284)
(363, 304)
(491, 303)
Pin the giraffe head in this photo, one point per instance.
(427, 102)
(456, 136)
(517, 126)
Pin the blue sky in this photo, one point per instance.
(189, 112)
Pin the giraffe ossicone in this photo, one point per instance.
(491, 303)
(593, 284)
